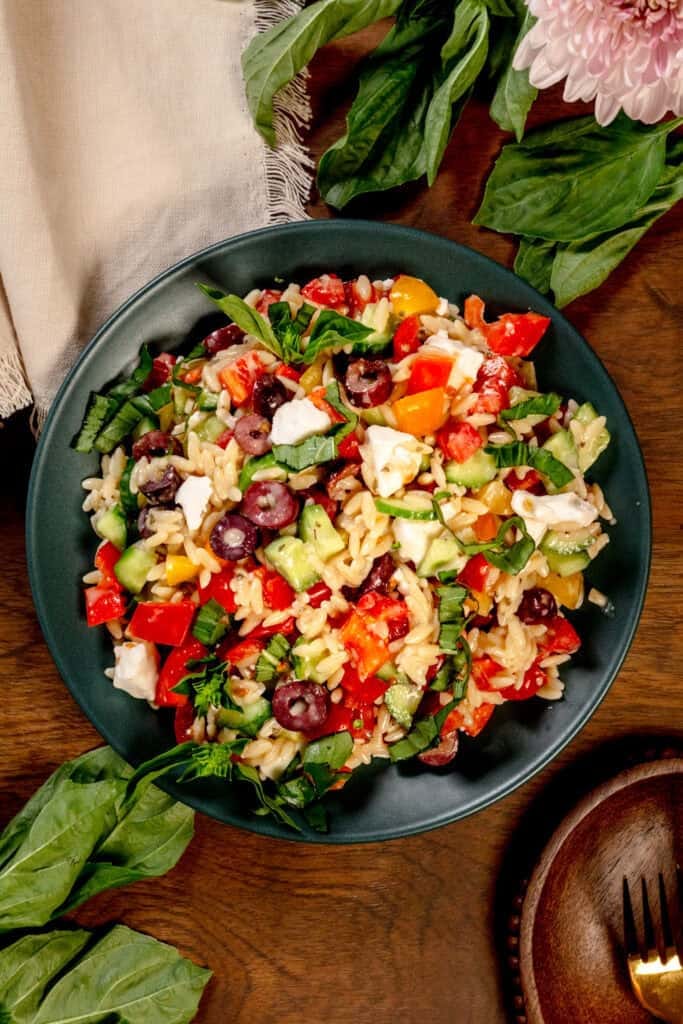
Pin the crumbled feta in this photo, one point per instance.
(296, 420)
(136, 669)
(414, 537)
(193, 497)
(391, 459)
(542, 512)
(466, 360)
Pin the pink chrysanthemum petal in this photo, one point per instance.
(625, 54)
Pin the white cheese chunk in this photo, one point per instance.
(466, 360)
(136, 669)
(193, 497)
(554, 509)
(391, 459)
(414, 537)
(294, 421)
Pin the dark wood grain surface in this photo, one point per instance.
(407, 930)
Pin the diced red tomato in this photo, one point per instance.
(516, 334)
(534, 679)
(367, 652)
(493, 383)
(429, 370)
(240, 376)
(277, 593)
(260, 632)
(220, 590)
(456, 720)
(173, 670)
(182, 723)
(339, 719)
(268, 297)
(349, 448)
(560, 638)
(162, 367)
(474, 313)
(244, 650)
(483, 670)
(530, 481)
(486, 527)
(102, 604)
(407, 337)
(475, 574)
(326, 290)
(359, 691)
(355, 301)
(318, 594)
(223, 440)
(459, 440)
(362, 721)
(161, 622)
(106, 558)
(289, 372)
(374, 607)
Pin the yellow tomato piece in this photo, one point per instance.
(312, 377)
(179, 569)
(567, 590)
(411, 295)
(484, 602)
(422, 413)
(496, 497)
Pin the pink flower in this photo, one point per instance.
(622, 53)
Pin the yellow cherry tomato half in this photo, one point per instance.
(179, 569)
(411, 295)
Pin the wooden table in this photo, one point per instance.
(411, 930)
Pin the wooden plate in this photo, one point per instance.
(571, 959)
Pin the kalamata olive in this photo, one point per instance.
(270, 504)
(156, 442)
(268, 395)
(301, 706)
(252, 434)
(368, 382)
(234, 537)
(380, 574)
(443, 753)
(162, 491)
(143, 529)
(223, 338)
(536, 606)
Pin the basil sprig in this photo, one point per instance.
(520, 454)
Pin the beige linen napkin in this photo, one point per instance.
(126, 145)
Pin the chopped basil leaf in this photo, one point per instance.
(270, 660)
(520, 454)
(244, 316)
(127, 388)
(125, 420)
(508, 455)
(254, 465)
(288, 331)
(538, 405)
(451, 600)
(510, 559)
(99, 410)
(210, 624)
(332, 330)
(546, 463)
(330, 750)
(315, 449)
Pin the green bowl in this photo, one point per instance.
(382, 801)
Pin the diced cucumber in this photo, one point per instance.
(315, 527)
(293, 559)
(180, 397)
(133, 566)
(476, 471)
(374, 417)
(518, 395)
(402, 701)
(372, 345)
(207, 401)
(588, 453)
(442, 554)
(387, 672)
(211, 429)
(567, 565)
(562, 446)
(144, 426)
(248, 719)
(413, 505)
(305, 667)
(567, 543)
(111, 526)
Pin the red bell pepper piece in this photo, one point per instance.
(475, 574)
(367, 652)
(220, 590)
(102, 604)
(349, 448)
(480, 718)
(247, 649)
(286, 627)
(277, 593)
(407, 337)
(560, 638)
(106, 558)
(283, 370)
(318, 594)
(359, 691)
(483, 670)
(326, 290)
(223, 440)
(374, 607)
(430, 370)
(486, 527)
(161, 622)
(534, 679)
(474, 313)
(459, 440)
(240, 376)
(173, 670)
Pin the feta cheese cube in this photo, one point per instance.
(294, 421)
(414, 537)
(136, 669)
(391, 458)
(193, 497)
(466, 360)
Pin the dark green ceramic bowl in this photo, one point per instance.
(382, 802)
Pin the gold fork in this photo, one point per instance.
(654, 965)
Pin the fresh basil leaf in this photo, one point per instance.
(270, 660)
(322, 776)
(100, 410)
(316, 817)
(276, 56)
(129, 501)
(249, 319)
(288, 331)
(28, 966)
(421, 736)
(298, 792)
(125, 420)
(538, 405)
(462, 57)
(385, 127)
(508, 455)
(333, 398)
(451, 600)
(534, 262)
(583, 265)
(332, 330)
(255, 465)
(269, 804)
(333, 751)
(314, 450)
(210, 624)
(127, 388)
(520, 454)
(514, 95)
(126, 976)
(575, 178)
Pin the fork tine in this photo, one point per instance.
(650, 943)
(667, 934)
(630, 934)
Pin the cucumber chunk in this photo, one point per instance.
(476, 471)
(442, 554)
(315, 527)
(211, 429)
(133, 566)
(402, 701)
(588, 453)
(562, 446)
(413, 505)
(293, 559)
(566, 543)
(567, 565)
(111, 526)
(248, 720)
(144, 426)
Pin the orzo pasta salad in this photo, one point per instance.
(346, 525)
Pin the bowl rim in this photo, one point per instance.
(388, 832)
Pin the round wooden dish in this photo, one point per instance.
(571, 958)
